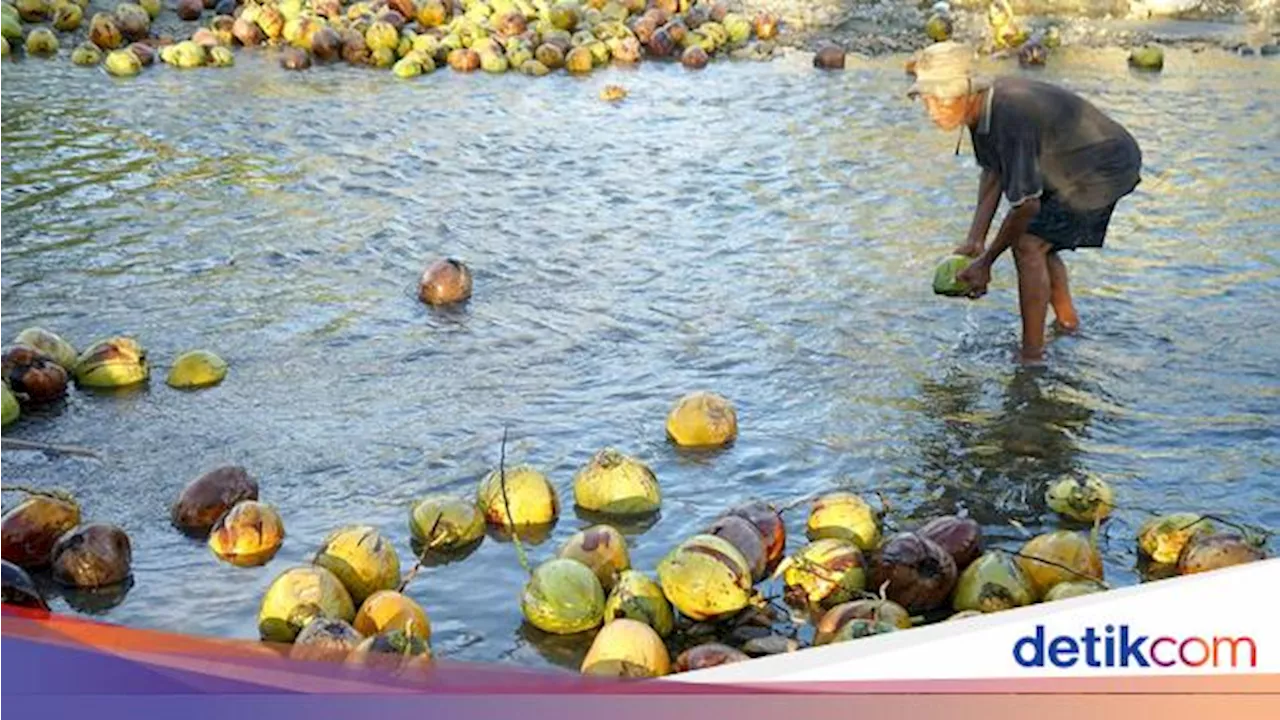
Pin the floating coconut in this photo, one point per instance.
(829, 57)
(938, 28)
(249, 534)
(823, 574)
(448, 281)
(1213, 552)
(946, 279)
(32, 11)
(30, 530)
(19, 589)
(32, 375)
(122, 63)
(769, 523)
(616, 484)
(746, 538)
(1162, 538)
(292, 58)
(705, 577)
(960, 537)
(563, 597)
(579, 61)
(86, 54)
(133, 21)
(298, 596)
(694, 58)
(153, 7)
(874, 610)
(406, 68)
(535, 68)
(10, 405)
(1081, 499)
(146, 56)
(855, 628)
(197, 369)
(114, 362)
(627, 648)
(920, 574)
(432, 13)
(221, 57)
(362, 559)
(1032, 54)
(1148, 58)
(528, 499)
(247, 33)
(211, 495)
(845, 516)
(1064, 590)
(325, 639)
(637, 597)
(92, 556)
(1061, 556)
(47, 341)
(991, 583)
(702, 419)
(388, 610)
(190, 9)
(395, 652)
(601, 548)
(271, 21)
(707, 655)
(354, 49)
(444, 523)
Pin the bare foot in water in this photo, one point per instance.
(1066, 328)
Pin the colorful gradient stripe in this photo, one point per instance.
(70, 667)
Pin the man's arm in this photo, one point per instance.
(978, 274)
(983, 214)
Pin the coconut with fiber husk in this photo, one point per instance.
(829, 57)
(705, 578)
(9, 403)
(1213, 552)
(702, 419)
(601, 548)
(30, 529)
(613, 483)
(444, 523)
(1147, 58)
(707, 655)
(1064, 590)
(448, 281)
(873, 610)
(766, 520)
(637, 597)
(1162, 538)
(746, 538)
(32, 376)
(528, 498)
(1061, 556)
(114, 362)
(991, 583)
(86, 54)
(326, 639)
(395, 651)
(92, 556)
(945, 276)
(122, 63)
(627, 648)
(919, 573)
(297, 597)
(960, 537)
(211, 495)
(249, 534)
(196, 369)
(844, 516)
(388, 610)
(823, 574)
(1081, 499)
(563, 597)
(19, 589)
(362, 559)
(49, 342)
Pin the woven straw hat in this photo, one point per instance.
(945, 70)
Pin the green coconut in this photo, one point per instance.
(406, 68)
(616, 484)
(945, 281)
(1162, 538)
(153, 7)
(218, 57)
(875, 611)
(1081, 499)
(565, 16)
(442, 522)
(860, 628)
(738, 28)
(4, 47)
(11, 28)
(10, 405)
(42, 41)
(186, 55)
(991, 583)
(824, 573)
(85, 54)
(32, 10)
(200, 368)
(601, 548)
(362, 559)
(534, 68)
(637, 597)
(382, 57)
(706, 577)
(297, 597)
(67, 17)
(118, 361)
(563, 597)
(122, 63)
(1065, 590)
(938, 28)
(492, 62)
(1147, 57)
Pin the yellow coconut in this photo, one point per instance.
(388, 610)
(1064, 590)
(1082, 499)
(616, 484)
(637, 597)
(601, 548)
(702, 419)
(844, 516)
(705, 577)
(362, 559)
(563, 597)
(12, 411)
(197, 369)
(50, 344)
(1069, 555)
(296, 597)
(531, 497)
(248, 535)
(1163, 538)
(115, 362)
(627, 648)
(825, 573)
(992, 583)
(443, 523)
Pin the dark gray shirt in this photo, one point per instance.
(1042, 138)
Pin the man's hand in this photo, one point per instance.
(977, 276)
(969, 249)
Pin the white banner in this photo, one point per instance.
(1221, 622)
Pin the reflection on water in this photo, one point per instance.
(763, 231)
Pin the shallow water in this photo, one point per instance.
(757, 229)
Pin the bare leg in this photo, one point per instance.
(1030, 255)
(1064, 310)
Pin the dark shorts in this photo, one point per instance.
(1068, 228)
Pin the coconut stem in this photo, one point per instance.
(506, 504)
(408, 578)
(15, 444)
